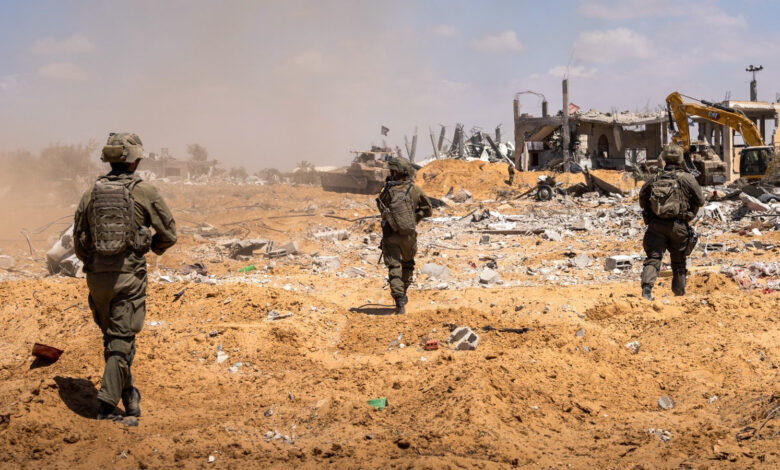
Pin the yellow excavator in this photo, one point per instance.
(757, 161)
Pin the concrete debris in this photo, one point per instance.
(484, 239)
(61, 258)
(580, 333)
(552, 235)
(7, 262)
(436, 271)
(712, 210)
(332, 235)
(461, 196)
(664, 436)
(327, 263)
(489, 276)
(633, 346)
(665, 403)
(617, 262)
(290, 248)
(274, 315)
(237, 248)
(582, 260)
(463, 339)
(753, 204)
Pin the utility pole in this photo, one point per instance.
(565, 133)
(753, 83)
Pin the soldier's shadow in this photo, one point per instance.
(374, 309)
(79, 395)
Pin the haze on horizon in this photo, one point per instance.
(267, 84)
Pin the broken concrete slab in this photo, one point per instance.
(327, 263)
(463, 339)
(436, 271)
(489, 276)
(582, 260)
(617, 262)
(332, 235)
(463, 195)
(552, 235)
(753, 204)
(236, 247)
(290, 248)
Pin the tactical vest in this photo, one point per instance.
(667, 198)
(111, 216)
(397, 207)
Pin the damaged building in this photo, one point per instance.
(596, 139)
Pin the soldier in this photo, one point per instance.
(402, 205)
(111, 236)
(669, 201)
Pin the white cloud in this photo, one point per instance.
(614, 45)
(579, 71)
(75, 44)
(629, 9)
(502, 42)
(445, 30)
(63, 71)
(717, 18)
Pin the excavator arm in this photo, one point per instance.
(679, 112)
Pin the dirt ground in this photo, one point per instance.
(560, 391)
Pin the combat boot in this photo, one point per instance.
(400, 305)
(678, 282)
(107, 411)
(647, 291)
(131, 399)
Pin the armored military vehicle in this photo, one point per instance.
(365, 175)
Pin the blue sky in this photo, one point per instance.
(272, 83)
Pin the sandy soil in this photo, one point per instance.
(542, 397)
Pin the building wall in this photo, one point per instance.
(648, 139)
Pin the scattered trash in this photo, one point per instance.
(378, 403)
(221, 357)
(46, 353)
(211, 459)
(246, 269)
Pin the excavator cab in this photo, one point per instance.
(754, 161)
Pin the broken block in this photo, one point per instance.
(753, 204)
(617, 262)
(463, 339)
(327, 263)
(436, 271)
(284, 250)
(489, 276)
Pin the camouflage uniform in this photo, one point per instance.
(117, 284)
(669, 234)
(399, 250)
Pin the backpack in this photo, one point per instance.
(111, 216)
(667, 198)
(397, 207)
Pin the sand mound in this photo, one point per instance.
(485, 179)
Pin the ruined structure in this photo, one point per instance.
(595, 139)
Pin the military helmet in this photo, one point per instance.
(672, 153)
(400, 165)
(122, 147)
